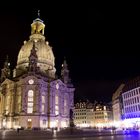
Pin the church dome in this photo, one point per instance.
(46, 59)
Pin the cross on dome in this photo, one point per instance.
(38, 13)
(37, 27)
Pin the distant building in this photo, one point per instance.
(103, 116)
(117, 106)
(88, 114)
(83, 114)
(131, 103)
(33, 96)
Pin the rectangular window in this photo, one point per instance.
(56, 110)
(30, 99)
(43, 108)
(56, 99)
(30, 104)
(29, 110)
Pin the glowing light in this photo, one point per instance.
(99, 125)
(57, 86)
(53, 124)
(35, 40)
(31, 81)
(47, 42)
(133, 122)
(4, 123)
(83, 125)
(63, 124)
(9, 124)
(43, 124)
(29, 120)
(17, 126)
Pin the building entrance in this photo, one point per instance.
(29, 123)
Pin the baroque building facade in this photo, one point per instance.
(33, 96)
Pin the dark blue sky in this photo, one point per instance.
(100, 43)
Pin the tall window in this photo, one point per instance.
(43, 99)
(30, 101)
(56, 105)
(18, 103)
(7, 107)
(65, 105)
(43, 104)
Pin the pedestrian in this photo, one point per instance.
(17, 130)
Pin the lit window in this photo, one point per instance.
(56, 105)
(30, 101)
(43, 108)
(56, 99)
(30, 104)
(56, 110)
(30, 93)
(29, 110)
(43, 99)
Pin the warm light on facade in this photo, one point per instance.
(4, 123)
(63, 124)
(43, 123)
(33, 96)
(53, 124)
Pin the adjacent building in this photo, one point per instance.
(131, 103)
(83, 114)
(103, 116)
(32, 96)
(117, 106)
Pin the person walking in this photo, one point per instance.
(17, 130)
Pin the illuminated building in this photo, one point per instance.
(131, 103)
(33, 96)
(83, 114)
(102, 115)
(88, 114)
(117, 106)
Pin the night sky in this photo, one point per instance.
(100, 43)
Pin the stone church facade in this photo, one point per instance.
(33, 97)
